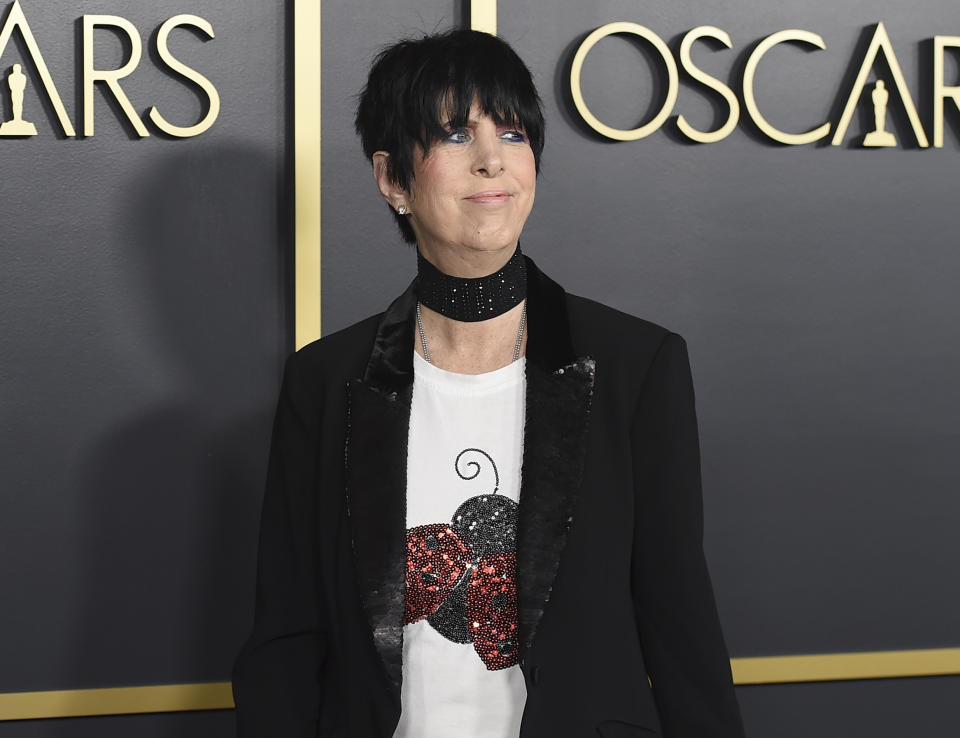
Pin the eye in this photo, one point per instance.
(458, 135)
(514, 136)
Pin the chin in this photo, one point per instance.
(493, 240)
(491, 244)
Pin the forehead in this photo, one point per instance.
(453, 109)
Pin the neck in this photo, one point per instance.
(471, 348)
(471, 324)
(465, 263)
(472, 299)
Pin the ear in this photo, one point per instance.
(391, 191)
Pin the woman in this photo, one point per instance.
(514, 544)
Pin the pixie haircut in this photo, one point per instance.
(419, 88)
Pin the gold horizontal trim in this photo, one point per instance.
(116, 701)
(827, 667)
(217, 695)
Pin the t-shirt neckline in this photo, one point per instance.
(457, 382)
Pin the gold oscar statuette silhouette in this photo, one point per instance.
(880, 136)
(17, 126)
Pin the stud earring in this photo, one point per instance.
(402, 210)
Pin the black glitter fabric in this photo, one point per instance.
(472, 299)
(374, 462)
(487, 524)
(554, 447)
(450, 619)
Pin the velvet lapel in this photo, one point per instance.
(378, 418)
(559, 391)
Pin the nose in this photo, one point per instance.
(488, 159)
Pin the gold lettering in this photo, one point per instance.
(182, 69)
(111, 77)
(673, 82)
(880, 41)
(16, 19)
(686, 61)
(483, 16)
(749, 98)
(940, 90)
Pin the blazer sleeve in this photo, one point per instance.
(679, 626)
(276, 675)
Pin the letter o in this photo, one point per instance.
(673, 81)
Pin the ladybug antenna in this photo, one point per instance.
(476, 467)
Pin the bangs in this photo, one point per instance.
(443, 97)
(456, 70)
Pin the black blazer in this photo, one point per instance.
(612, 583)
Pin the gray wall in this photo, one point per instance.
(145, 287)
(149, 307)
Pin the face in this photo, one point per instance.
(474, 189)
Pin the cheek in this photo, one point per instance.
(531, 191)
(527, 171)
(431, 180)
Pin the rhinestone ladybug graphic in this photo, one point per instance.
(461, 575)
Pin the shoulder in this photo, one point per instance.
(339, 356)
(630, 352)
(602, 331)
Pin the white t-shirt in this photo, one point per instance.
(460, 638)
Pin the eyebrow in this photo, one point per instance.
(470, 122)
(475, 121)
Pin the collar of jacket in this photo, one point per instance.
(558, 395)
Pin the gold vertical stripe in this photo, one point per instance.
(306, 105)
(116, 701)
(483, 16)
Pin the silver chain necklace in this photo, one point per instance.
(516, 348)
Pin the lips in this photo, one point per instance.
(491, 196)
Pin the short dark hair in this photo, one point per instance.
(415, 82)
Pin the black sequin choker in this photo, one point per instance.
(470, 299)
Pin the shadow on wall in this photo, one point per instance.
(171, 493)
